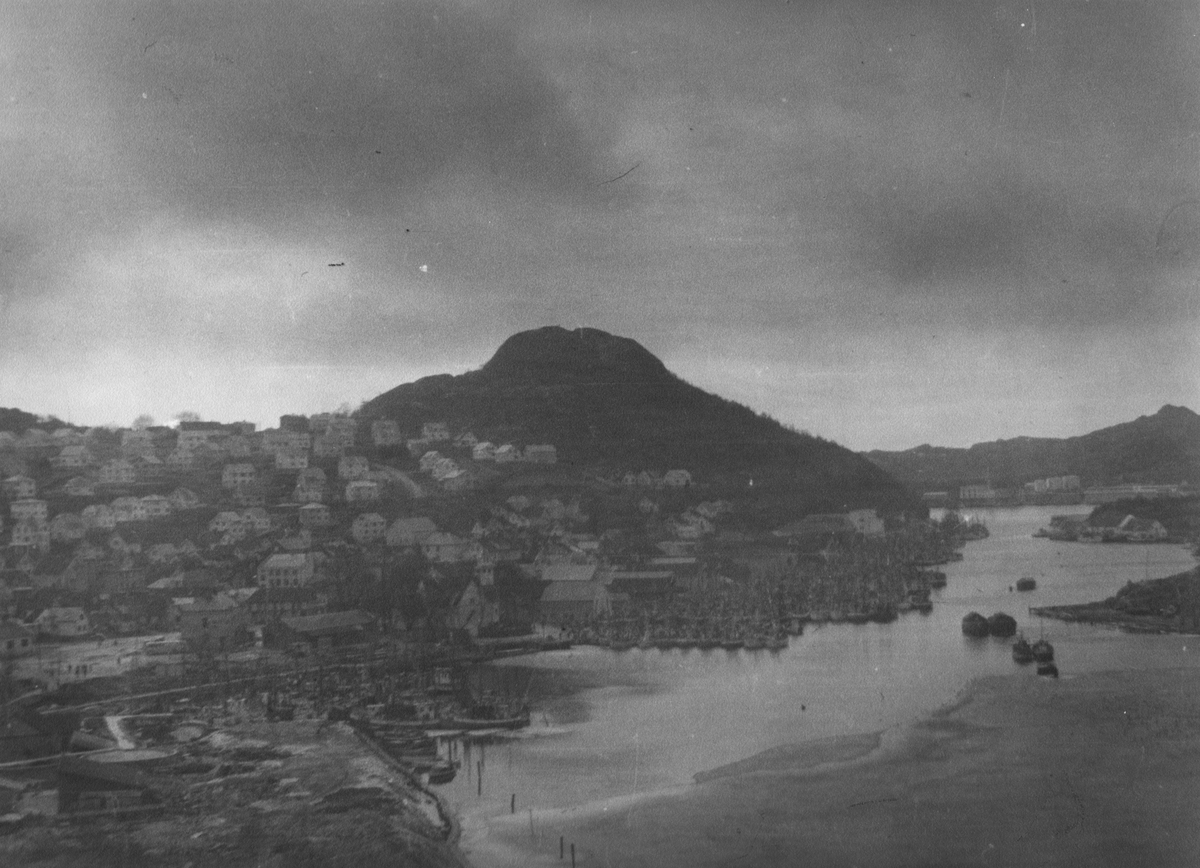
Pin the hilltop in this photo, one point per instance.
(1162, 448)
(606, 402)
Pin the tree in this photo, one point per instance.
(188, 416)
(143, 421)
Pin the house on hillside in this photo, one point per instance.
(99, 516)
(29, 509)
(314, 515)
(16, 640)
(362, 491)
(386, 432)
(156, 506)
(62, 622)
(353, 467)
(291, 459)
(79, 486)
(484, 451)
(237, 475)
(506, 454)
(866, 521)
(677, 479)
(434, 431)
(118, 471)
(286, 571)
(126, 509)
(31, 534)
(368, 527)
(330, 630)
(183, 499)
(19, 487)
(73, 456)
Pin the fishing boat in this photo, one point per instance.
(1002, 624)
(1043, 651)
(974, 624)
(1027, 583)
(1022, 651)
(1048, 669)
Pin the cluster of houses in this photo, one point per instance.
(1081, 528)
(224, 533)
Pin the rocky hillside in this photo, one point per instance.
(606, 402)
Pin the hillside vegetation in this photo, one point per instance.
(1162, 448)
(607, 403)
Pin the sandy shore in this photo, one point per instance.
(1093, 770)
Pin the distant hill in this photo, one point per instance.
(606, 402)
(1163, 448)
(18, 421)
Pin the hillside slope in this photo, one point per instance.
(1162, 448)
(605, 401)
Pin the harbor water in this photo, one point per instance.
(608, 723)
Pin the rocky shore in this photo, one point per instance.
(1167, 605)
(1100, 769)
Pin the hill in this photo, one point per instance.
(17, 421)
(608, 403)
(1162, 448)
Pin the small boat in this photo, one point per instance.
(1047, 669)
(1043, 651)
(974, 624)
(1022, 651)
(442, 773)
(1001, 624)
(1027, 583)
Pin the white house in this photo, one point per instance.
(76, 455)
(128, 509)
(118, 471)
(507, 453)
(485, 451)
(34, 534)
(677, 479)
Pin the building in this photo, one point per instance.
(127, 509)
(156, 506)
(386, 432)
(76, 455)
(330, 630)
(866, 521)
(434, 431)
(677, 479)
(99, 516)
(362, 491)
(291, 459)
(569, 602)
(31, 534)
(63, 622)
(445, 548)
(19, 487)
(980, 494)
(368, 528)
(16, 640)
(118, 471)
(353, 467)
(216, 624)
(184, 499)
(484, 451)
(286, 571)
(314, 515)
(237, 475)
(29, 509)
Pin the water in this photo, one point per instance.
(616, 723)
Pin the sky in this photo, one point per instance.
(887, 223)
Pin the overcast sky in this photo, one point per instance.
(888, 223)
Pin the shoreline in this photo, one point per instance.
(1101, 768)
